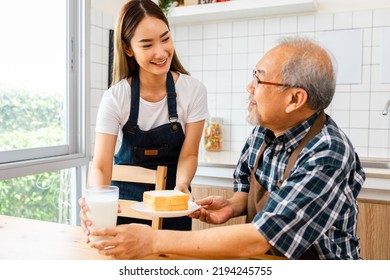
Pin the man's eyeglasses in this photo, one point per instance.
(257, 81)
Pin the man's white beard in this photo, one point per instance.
(252, 119)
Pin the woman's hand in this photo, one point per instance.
(184, 188)
(85, 222)
(131, 241)
(214, 210)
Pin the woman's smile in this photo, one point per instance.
(160, 62)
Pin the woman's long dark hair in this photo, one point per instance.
(129, 17)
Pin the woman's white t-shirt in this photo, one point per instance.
(114, 109)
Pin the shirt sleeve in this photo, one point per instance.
(108, 117)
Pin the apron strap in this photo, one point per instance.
(131, 125)
(313, 131)
(171, 97)
(259, 156)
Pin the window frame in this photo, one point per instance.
(24, 162)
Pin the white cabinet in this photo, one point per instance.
(239, 9)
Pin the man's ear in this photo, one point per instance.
(298, 99)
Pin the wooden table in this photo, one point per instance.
(27, 239)
(32, 239)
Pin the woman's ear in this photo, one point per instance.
(127, 50)
(298, 99)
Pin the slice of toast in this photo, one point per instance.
(168, 200)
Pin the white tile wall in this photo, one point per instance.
(222, 55)
(100, 25)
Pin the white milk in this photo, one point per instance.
(103, 210)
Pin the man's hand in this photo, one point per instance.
(132, 241)
(214, 210)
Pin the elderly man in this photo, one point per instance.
(297, 179)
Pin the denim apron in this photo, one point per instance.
(158, 146)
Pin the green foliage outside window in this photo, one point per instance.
(25, 120)
(41, 197)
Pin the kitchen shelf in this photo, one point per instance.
(238, 9)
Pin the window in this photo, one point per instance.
(46, 196)
(42, 96)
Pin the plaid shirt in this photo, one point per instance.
(316, 205)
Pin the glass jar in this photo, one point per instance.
(212, 135)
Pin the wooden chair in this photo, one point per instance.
(137, 174)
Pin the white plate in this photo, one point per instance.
(141, 208)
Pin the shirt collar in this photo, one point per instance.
(292, 137)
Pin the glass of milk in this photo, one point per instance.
(102, 202)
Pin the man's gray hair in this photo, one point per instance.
(311, 67)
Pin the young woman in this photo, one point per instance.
(153, 107)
